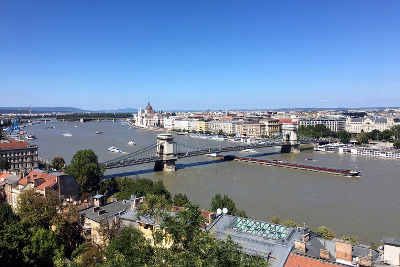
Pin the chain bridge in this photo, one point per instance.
(165, 151)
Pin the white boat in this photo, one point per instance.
(249, 150)
(115, 150)
(67, 134)
(99, 132)
(30, 136)
(132, 143)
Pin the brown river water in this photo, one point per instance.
(366, 206)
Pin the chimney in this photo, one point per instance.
(324, 254)
(344, 251)
(101, 211)
(306, 237)
(365, 261)
(300, 246)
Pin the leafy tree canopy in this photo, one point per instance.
(7, 215)
(86, 170)
(130, 249)
(316, 131)
(219, 202)
(352, 239)
(290, 223)
(58, 163)
(180, 200)
(4, 164)
(396, 144)
(37, 209)
(344, 136)
(325, 232)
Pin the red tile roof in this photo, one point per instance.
(3, 176)
(49, 179)
(300, 261)
(12, 144)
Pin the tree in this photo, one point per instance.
(159, 189)
(344, 136)
(183, 226)
(219, 202)
(351, 239)
(396, 131)
(290, 223)
(275, 220)
(87, 170)
(396, 144)
(325, 232)
(4, 164)
(130, 249)
(7, 215)
(38, 210)
(386, 135)
(42, 249)
(374, 135)
(67, 228)
(58, 163)
(316, 131)
(180, 200)
(362, 138)
(13, 238)
(154, 209)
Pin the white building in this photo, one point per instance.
(368, 124)
(333, 124)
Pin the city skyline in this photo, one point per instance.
(221, 55)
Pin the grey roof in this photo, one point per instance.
(12, 180)
(391, 241)
(131, 215)
(111, 210)
(254, 243)
(363, 251)
(316, 243)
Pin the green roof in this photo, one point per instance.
(264, 229)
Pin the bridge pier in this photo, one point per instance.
(165, 151)
(290, 137)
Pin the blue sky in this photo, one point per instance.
(200, 55)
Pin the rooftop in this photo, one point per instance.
(271, 241)
(13, 144)
(109, 211)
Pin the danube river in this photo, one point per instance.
(366, 206)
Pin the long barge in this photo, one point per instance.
(280, 163)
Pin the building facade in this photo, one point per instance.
(368, 124)
(21, 155)
(333, 124)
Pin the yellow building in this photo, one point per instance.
(272, 126)
(102, 215)
(203, 126)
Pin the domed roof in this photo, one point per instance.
(149, 107)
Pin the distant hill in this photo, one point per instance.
(25, 110)
(20, 110)
(122, 110)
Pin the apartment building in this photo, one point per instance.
(21, 155)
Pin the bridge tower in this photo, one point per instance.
(290, 138)
(165, 151)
